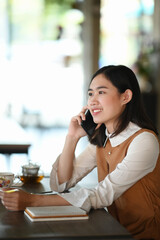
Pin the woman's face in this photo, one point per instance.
(105, 102)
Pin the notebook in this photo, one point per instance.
(55, 213)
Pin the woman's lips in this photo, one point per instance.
(96, 111)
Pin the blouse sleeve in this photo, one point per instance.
(82, 165)
(141, 159)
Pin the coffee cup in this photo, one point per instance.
(6, 179)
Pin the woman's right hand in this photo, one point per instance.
(75, 128)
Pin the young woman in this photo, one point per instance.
(125, 150)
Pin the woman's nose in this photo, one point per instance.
(92, 101)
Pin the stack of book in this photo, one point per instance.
(55, 213)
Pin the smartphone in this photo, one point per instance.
(88, 125)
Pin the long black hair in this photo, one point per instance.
(123, 78)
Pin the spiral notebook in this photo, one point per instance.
(55, 213)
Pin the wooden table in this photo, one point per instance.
(100, 225)
(9, 148)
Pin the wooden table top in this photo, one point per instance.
(100, 225)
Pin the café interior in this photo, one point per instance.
(48, 52)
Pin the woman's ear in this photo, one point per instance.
(127, 96)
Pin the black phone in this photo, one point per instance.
(89, 125)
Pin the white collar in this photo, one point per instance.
(121, 137)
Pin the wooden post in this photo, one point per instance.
(156, 33)
(91, 36)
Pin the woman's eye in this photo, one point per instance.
(101, 92)
(90, 94)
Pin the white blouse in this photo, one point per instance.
(141, 159)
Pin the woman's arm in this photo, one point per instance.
(75, 132)
(82, 165)
(19, 200)
(65, 165)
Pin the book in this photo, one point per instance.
(55, 213)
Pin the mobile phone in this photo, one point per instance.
(88, 125)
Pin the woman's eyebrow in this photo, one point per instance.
(90, 89)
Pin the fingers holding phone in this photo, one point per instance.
(75, 128)
(82, 114)
(88, 124)
(83, 123)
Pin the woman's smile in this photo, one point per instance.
(96, 111)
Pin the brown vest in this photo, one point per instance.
(138, 208)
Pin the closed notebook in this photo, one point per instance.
(55, 213)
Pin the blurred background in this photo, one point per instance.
(49, 50)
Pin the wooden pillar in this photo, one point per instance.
(156, 34)
(91, 43)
